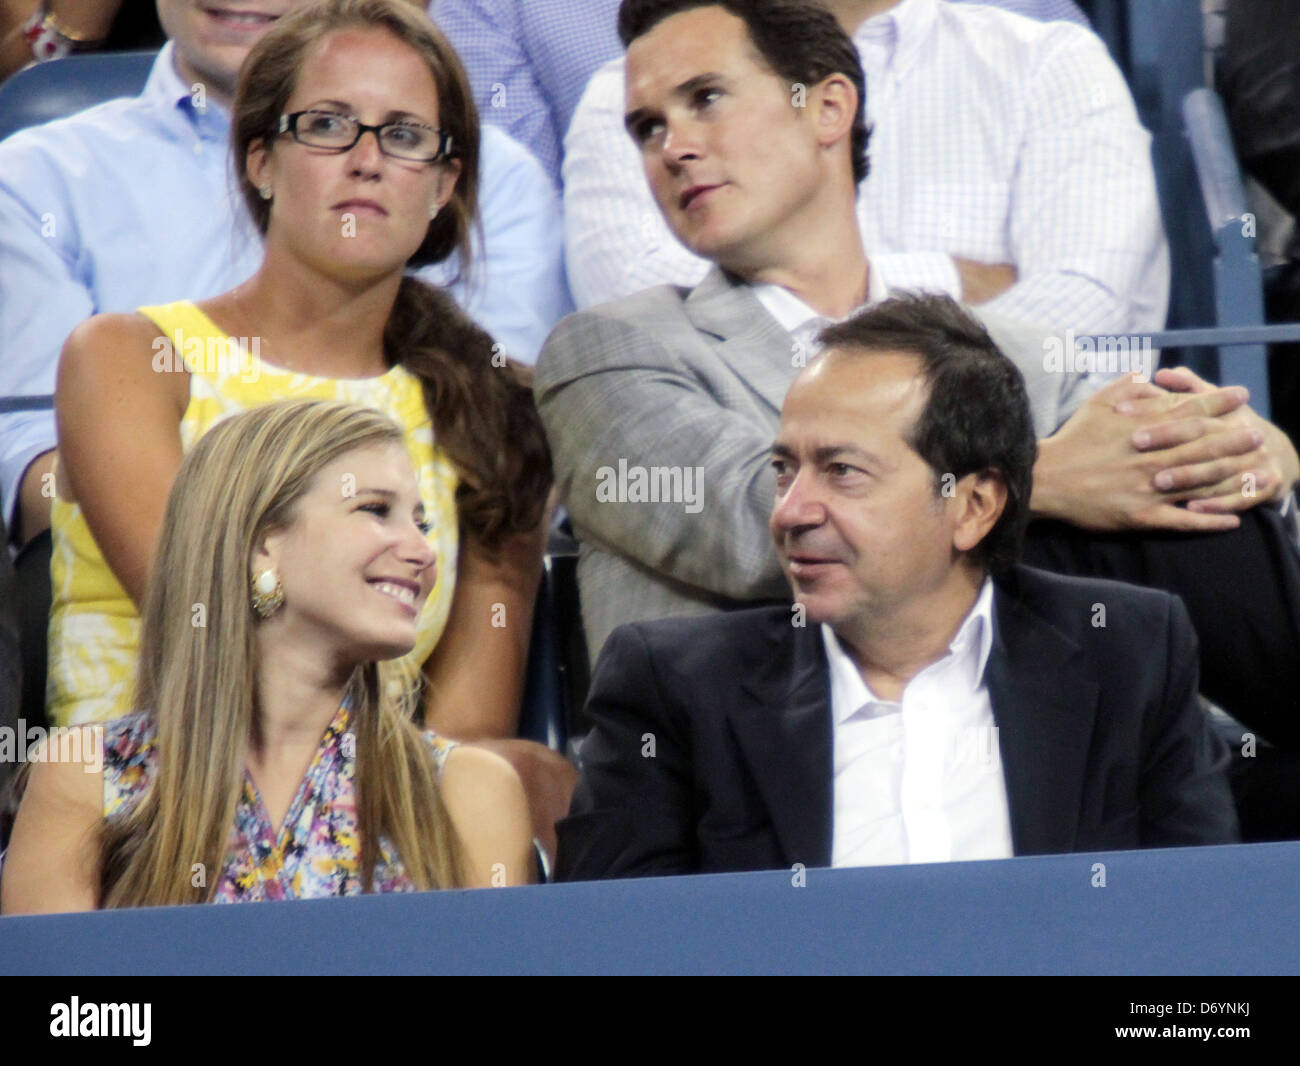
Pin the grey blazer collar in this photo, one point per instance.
(748, 339)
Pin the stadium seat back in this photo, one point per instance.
(1159, 45)
(65, 86)
(1238, 280)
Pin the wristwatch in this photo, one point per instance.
(49, 40)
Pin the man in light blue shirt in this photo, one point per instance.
(133, 203)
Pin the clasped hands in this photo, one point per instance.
(1178, 454)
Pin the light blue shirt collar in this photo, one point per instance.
(169, 95)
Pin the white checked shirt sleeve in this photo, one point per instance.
(1084, 231)
(921, 271)
(1000, 139)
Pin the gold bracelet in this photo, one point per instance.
(49, 40)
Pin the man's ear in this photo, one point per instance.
(979, 500)
(833, 102)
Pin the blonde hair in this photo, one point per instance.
(242, 479)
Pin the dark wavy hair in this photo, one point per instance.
(976, 418)
(798, 40)
(482, 411)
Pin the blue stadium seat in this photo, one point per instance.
(64, 86)
(555, 686)
(1238, 283)
(544, 716)
(1159, 45)
(11, 716)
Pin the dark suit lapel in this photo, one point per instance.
(1044, 707)
(783, 728)
(1043, 704)
(751, 341)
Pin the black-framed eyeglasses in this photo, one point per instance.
(412, 141)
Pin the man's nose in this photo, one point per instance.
(682, 141)
(801, 505)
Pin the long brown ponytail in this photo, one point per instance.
(482, 409)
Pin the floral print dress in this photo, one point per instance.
(314, 854)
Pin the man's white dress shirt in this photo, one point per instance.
(919, 780)
(801, 321)
(996, 138)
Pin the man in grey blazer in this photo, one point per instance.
(687, 386)
(661, 407)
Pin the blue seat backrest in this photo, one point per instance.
(64, 86)
(1238, 281)
(1159, 45)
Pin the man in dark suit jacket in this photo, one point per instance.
(902, 470)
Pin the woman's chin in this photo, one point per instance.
(376, 647)
(395, 650)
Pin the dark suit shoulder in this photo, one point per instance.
(1070, 602)
(1126, 639)
(725, 645)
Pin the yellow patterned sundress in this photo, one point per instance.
(94, 627)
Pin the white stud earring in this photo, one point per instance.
(433, 211)
(265, 191)
(267, 592)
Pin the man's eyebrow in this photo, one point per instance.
(848, 451)
(699, 81)
(828, 452)
(632, 118)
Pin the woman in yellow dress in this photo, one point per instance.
(356, 141)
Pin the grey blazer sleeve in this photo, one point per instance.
(611, 390)
(1054, 395)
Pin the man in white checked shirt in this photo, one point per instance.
(1008, 170)
(530, 60)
